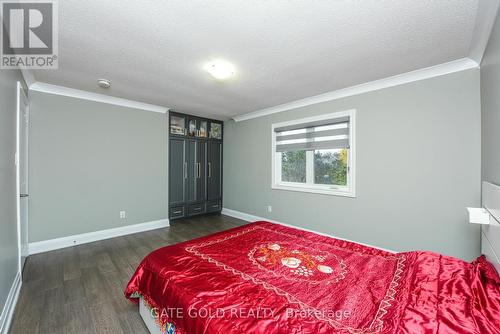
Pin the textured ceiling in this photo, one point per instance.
(284, 50)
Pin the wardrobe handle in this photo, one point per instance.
(185, 169)
(199, 170)
(209, 169)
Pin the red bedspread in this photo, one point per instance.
(267, 278)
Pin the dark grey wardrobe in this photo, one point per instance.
(195, 165)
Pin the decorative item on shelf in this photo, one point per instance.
(203, 129)
(176, 130)
(177, 125)
(216, 131)
(192, 128)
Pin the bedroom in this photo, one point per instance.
(355, 133)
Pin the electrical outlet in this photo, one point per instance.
(269, 208)
(123, 214)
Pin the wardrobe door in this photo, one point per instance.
(192, 171)
(201, 187)
(177, 171)
(214, 170)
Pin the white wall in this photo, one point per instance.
(91, 160)
(418, 168)
(490, 104)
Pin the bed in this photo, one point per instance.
(490, 234)
(269, 278)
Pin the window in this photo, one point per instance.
(315, 154)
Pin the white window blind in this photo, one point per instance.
(324, 134)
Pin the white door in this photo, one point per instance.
(23, 127)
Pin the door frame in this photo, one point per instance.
(20, 91)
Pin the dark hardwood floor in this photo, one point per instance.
(80, 289)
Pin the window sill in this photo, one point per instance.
(319, 190)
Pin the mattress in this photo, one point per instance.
(151, 320)
(268, 278)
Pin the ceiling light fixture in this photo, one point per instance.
(103, 83)
(220, 69)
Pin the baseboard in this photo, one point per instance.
(10, 305)
(78, 239)
(244, 216)
(253, 218)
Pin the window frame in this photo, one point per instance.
(309, 186)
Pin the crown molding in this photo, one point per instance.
(485, 20)
(82, 94)
(396, 80)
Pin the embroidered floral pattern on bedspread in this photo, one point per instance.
(296, 262)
